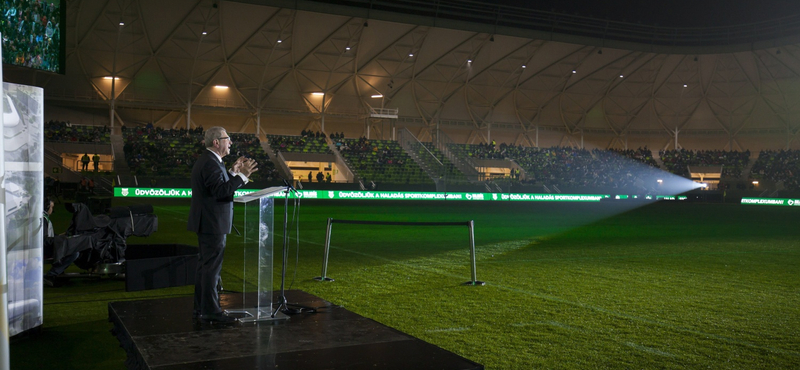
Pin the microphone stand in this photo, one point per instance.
(282, 301)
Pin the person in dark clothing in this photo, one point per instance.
(85, 162)
(211, 217)
(58, 267)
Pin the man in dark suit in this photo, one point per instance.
(211, 217)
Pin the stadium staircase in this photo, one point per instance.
(659, 162)
(745, 175)
(277, 159)
(432, 166)
(459, 159)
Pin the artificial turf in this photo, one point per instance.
(568, 286)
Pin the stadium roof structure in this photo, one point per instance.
(477, 71)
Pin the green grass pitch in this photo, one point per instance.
(671, 285)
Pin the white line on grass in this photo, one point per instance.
(445, 330)
(548, 323)
(649, 349)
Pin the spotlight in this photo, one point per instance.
(204, 33)
(621, 76)
(524, 66)
(121, 23)
(660, 181)
(410, 55)
(685, 85)
(755, 182)
(280, 41)
(469, 60)
(347, 48)
(574, 71)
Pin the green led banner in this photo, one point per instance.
(772, 201)
(670, 197)
(404, 195)
(374, 195)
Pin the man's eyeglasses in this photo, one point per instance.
(223, 138)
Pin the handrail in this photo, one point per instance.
(411, 144)
(464, 164)
(341, 163)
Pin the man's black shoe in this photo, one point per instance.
(220, 318)
(49, 281)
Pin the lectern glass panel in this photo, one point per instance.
(257, 245)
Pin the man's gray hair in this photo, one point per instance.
(212, 134)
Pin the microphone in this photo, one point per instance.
(287, 183)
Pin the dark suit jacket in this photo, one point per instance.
(212, 196)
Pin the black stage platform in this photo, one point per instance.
(160, 334)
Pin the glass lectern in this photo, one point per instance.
(258, 234)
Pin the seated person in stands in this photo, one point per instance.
(58, 267)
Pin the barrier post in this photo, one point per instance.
(471, 226)
(325, 253)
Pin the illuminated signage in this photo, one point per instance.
(400, 195)
(373, 195)
(772, 201)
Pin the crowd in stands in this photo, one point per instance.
(65, 132)
(572, 167)
(172, 152)
(733, 162)
(31, 35)
(308, 142)
(382, 161)
(778, 165)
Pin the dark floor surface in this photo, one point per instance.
(161, 334)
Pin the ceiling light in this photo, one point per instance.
(377, 96)
(220, 87)
(121, 23)
(574, 71)
(347, 48)
(685, 85)
(318, 93)
(621, 76)
(280, 41)
(469, 60)
(205, 33)
(524, 66)
(410, 55)
(109, 77)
